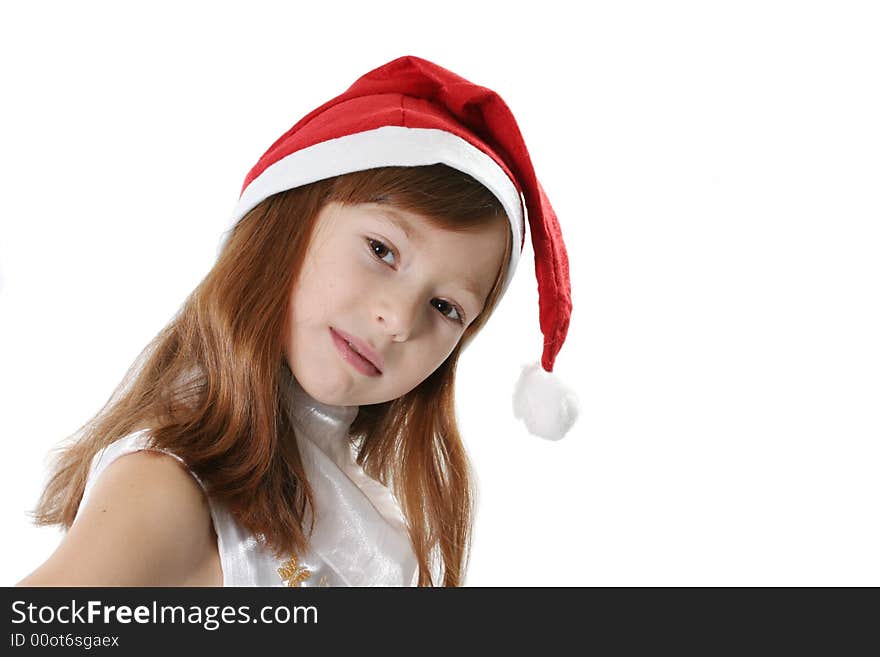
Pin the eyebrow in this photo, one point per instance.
(392, 215)
(401, 222)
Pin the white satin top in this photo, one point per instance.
(359, 537)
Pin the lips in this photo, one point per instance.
(357, 352)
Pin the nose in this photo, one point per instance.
(397, 315)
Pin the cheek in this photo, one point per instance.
(314, 291)
(433, 353)
(443, 353)
(304, 303)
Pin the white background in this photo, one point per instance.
(715, 170)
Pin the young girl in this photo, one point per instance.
(294, 424)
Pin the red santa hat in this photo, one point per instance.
(412, 112)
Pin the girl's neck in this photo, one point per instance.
(325, 425)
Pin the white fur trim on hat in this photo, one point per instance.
(381, 147)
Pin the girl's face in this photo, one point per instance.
(400, 290)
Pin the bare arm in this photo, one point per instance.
(146, 523)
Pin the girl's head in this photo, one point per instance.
(401, 263)
(404, 263)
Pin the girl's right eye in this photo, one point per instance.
(380, 250)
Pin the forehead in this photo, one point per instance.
(419, 228)
(413, 226)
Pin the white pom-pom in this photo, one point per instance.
(543, 403)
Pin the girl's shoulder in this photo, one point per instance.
(144, 521)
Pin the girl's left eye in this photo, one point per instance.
(380, 250)
(445, 307)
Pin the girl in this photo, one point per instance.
(294, 424)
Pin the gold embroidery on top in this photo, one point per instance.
(292, 573)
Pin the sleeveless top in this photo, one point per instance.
(360, 536)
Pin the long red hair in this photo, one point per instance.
(209, 385)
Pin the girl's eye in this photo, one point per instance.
(380, 250)
(445, 307)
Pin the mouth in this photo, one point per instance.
(356, 353)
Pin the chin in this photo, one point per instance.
(325, 390)
(330, 398)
